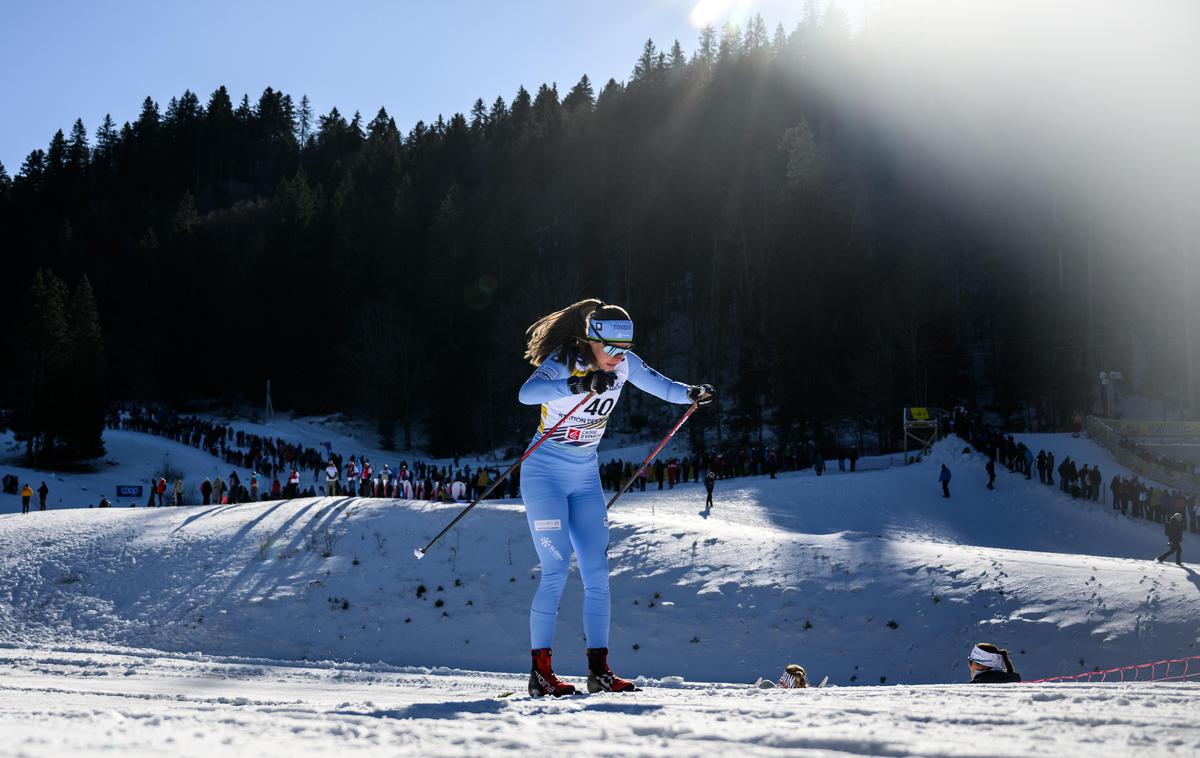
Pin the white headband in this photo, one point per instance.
(984, 658)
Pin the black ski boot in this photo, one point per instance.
(542, 680)
(600, 676)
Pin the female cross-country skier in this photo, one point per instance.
(582, 348)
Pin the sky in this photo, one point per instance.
(68, 59)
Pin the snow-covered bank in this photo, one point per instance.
(146, 630)
(56, 703)
(870, 578)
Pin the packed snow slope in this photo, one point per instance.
(56, 703)
(869, 577)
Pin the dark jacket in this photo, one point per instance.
(1174, 530)
(992, 676)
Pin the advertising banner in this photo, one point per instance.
(1134, 457)
(1153, 428)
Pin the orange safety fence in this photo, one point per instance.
(1171, 670)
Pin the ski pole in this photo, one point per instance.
(654, 452)
(420, 551)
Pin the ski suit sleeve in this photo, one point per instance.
(547, 382)
(648, 380)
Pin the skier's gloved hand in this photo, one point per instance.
(701, 394)
(593, 381)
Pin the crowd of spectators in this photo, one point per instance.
(270, 468)
(726, 463)
(1169, 462)
(1129, 495)
(274, 468)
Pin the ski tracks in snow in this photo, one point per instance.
(56, 702)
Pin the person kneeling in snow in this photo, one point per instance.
(794, 677)
(990, 665)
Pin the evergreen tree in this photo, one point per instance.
(706, 51)
(106, 137)
(183, 112)
(38, 367)
(56, 154)
(677, 63)
(731, 43)
(78, 151)
(84, 405)
(186, 219)
(33, 170)
(479, 118)
(779, 41)
(288, 107)
(756, 35)
(581, 97)
(331, 127)
(243, 114)
(274, 118)
(381, 126)
(612, 90)
(521, 107)
(220, 106)
(148, 246)
(148, 121)
(499, 112)
(647, 64)
(546, 110)
(296, 201)
(304, 121)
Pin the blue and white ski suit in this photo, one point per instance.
(560, 485)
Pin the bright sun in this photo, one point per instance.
(709, 12)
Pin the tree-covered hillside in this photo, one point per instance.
(766, 234)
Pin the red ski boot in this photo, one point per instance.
(542, 680)
(600, 676)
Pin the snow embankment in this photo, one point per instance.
(869, 577)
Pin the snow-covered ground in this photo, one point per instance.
(57, 703)
(128, 627)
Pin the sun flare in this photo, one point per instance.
(709, 12)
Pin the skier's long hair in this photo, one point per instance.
(563, 334)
